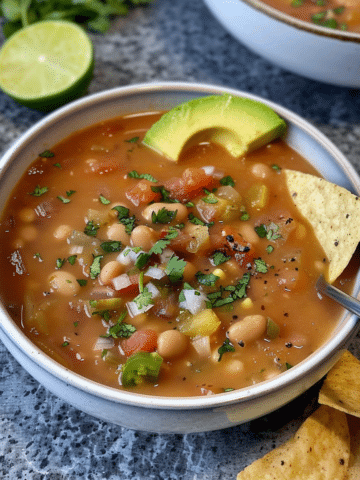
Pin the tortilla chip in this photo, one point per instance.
(334, 214)
(341, 387)
(354, 464)
(320, 450)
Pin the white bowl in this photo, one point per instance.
(315, 52)
(167, 414)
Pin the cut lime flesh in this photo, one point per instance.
(46, 64)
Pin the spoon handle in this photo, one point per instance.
(348, 302)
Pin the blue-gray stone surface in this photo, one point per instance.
(41, 437)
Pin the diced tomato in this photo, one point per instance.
(140, 341)
(142, 194)
(190, 184)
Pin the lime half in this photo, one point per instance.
(46, 64)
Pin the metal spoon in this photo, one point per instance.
(348, 302)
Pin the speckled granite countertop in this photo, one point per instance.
(42, 437)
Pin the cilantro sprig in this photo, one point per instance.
(125, 218)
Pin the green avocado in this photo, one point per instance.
(238, 124)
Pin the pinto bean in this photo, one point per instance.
(171, 343)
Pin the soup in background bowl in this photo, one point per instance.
(303, 46)
(83, 187)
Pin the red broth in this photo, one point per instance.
(217, 296)
(328, 13)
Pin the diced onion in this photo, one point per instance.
(202, 345)
(155, 292)
(120, 282)
(166, 255)
(76, 250)
(209, 169)
(155, 272)
(103, 343)
(195, 301)
(128, 256)
(134, 310)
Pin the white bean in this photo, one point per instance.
(64, 283)
(248, 329)
(172, 343)
(117, 232)
(109, 271)
(62, 232)
(260, 170)
(144, 237)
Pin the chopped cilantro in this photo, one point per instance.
(38, 256)
(227, 346)
(57, 165)
(165, 194)
(288, 366)
(175, 269)
(146, 176)
(70, 192)
(72, 259)
(229, 294)
(197, 221)
(210, 198)
(105, 314)
(104, 200)
(269, 249)
(163, 216)
(82, 282)
(47, 154)
(60, 262)
(245, 217)
(65, 344)
(38, 191)
(218, 258)
(142, 260)
(144, 299)
(275, 167)
(91, 229)
(260, 265)
(111, 246)
(125, 219)
(268, 231)
(207, 279)
(227, 181)
(95, 267)
(63, 199)
(132, 140)
(121, 329)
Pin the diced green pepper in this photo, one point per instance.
(140, 367)
(272, 329)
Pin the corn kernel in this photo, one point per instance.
(247, 303)
(219, 273)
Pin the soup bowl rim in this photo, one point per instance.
(293, 375)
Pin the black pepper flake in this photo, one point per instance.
(230, 238)
(288, 344)
(289, 220)
(262, 307)
(286, 314)
(336, 243)
(241, 344)
(342, 461)
(282, 462)
(234, 317)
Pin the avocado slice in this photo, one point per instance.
(238, 124)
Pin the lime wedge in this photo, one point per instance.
(46, 64)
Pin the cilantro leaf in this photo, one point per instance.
(227, 181)
(163, 216)
(38, 191)
(146, 176)
(125, 219)
(197, 221)
(227, 346)
(104, 200)
(81, 281)
(47, 154)
(206, 279)
(95, 266)
(175, 269)
(121, 329)
(219, 257)
(111, 246)
(210, 198)
(63, 199)
(60, 262)
(260, 265)
(91, 229)
(144, 299)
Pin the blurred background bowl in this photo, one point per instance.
(316, 52)
(170, 414)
